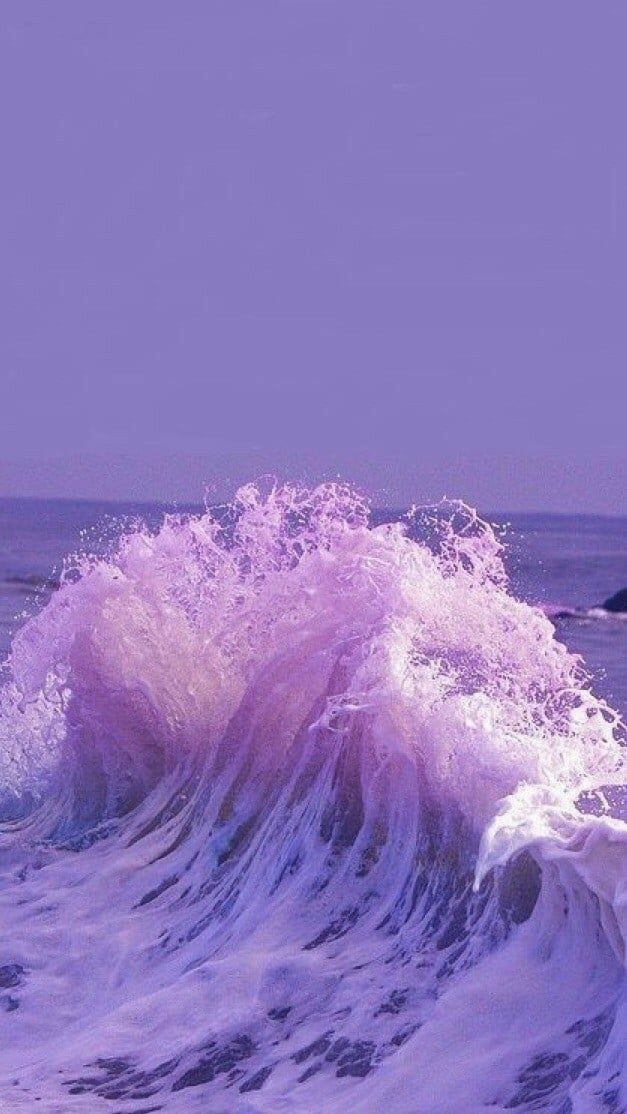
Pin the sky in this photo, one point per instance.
(384, 241)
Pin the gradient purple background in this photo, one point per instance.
(380, 239)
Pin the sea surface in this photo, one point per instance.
(307, 807)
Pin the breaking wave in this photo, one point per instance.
(303, 812)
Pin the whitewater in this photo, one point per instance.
(305, 813)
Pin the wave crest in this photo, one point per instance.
(141, 658)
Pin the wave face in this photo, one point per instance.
(303, 813)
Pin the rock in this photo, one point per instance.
(617, 602)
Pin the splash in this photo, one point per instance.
(143, 657)
(287, 737)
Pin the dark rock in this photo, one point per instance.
(616, 603)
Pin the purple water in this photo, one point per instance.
(305, 808)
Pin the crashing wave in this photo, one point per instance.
(307, 813)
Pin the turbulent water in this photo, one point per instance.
(307, 813)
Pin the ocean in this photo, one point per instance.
(307, 807)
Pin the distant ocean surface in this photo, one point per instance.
(304, 808)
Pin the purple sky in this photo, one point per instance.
(385, 240)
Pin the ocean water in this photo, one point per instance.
(308, 808)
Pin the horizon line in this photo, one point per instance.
(195, 505)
